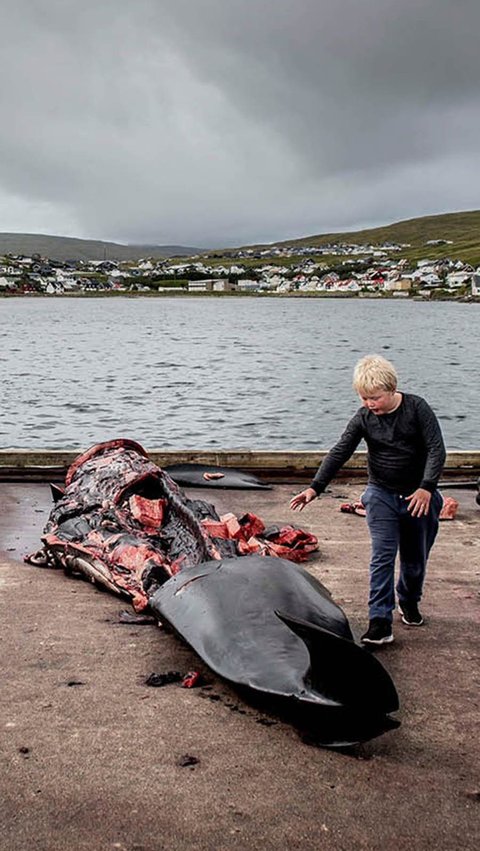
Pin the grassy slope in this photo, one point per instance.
(462, 228)
(69, 248)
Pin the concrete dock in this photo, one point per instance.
(92, 757)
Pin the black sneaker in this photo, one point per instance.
(379, 632)
(410, 614)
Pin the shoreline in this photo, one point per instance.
(390, 296)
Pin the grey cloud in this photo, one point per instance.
(220, 122)
(346, 83)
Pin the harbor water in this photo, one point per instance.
(218, 373)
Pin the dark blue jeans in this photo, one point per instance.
(392, 529)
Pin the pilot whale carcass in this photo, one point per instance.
(268, 626)
(261, 622)
(206, 475)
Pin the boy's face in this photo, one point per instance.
(379, 401)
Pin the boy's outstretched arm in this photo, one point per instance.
(331, 464)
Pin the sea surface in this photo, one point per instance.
(223, 373)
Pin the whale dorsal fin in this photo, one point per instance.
(57, 492)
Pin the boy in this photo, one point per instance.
(405, 455)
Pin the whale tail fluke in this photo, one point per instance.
(343, 671)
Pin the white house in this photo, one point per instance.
(248, 285)
(457, 279)
(273, 281)
(431, 279)
(53, 288)
(350, 285)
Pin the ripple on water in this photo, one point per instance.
(273, 375)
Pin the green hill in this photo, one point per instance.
(463, 229)
(69, 248)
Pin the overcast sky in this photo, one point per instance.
(222, 122)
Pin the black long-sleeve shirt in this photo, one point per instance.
(405, 449)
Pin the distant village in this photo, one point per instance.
(363, 270)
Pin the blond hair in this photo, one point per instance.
(374, 373)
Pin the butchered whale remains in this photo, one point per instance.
(226, 585)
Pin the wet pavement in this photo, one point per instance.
(93, 758)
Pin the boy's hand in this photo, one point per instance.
(419, 502)
(302, 499)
